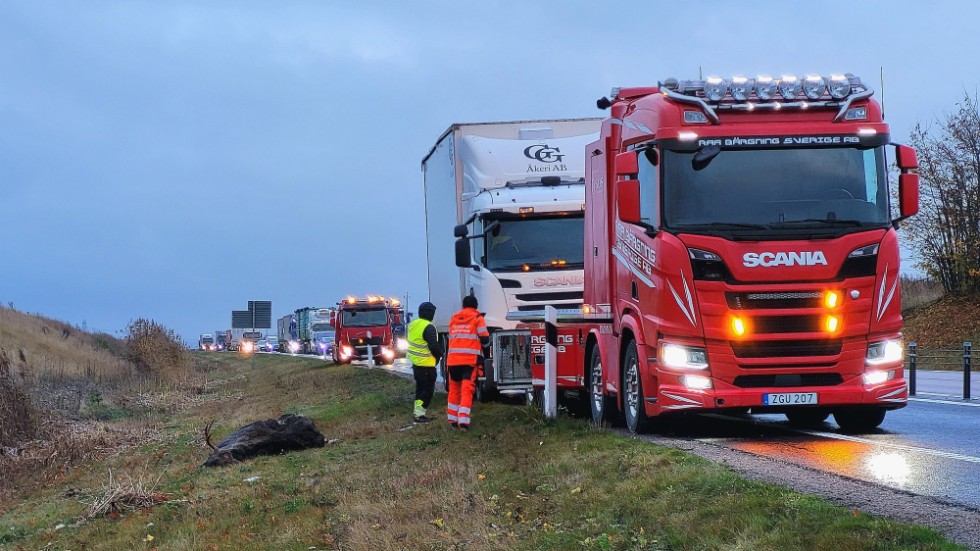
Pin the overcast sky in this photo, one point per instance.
(173, 160)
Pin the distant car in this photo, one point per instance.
(261, 344)
(271, 344)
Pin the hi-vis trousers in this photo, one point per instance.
(462, 384)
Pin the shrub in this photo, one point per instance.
(157, 351)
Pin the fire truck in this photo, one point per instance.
(363, 329)
(741, 255)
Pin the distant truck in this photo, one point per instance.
(314, 331)
(235, 337)
(286, 330)
(206, 342)
(364, 329)
(221, 339)
(514, 192)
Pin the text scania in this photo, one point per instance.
(639, 253)
(769, 260)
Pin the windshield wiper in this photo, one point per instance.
(725, 225)
(824, 221)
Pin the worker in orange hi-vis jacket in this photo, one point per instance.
(467, 336)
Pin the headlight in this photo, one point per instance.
(683, 357)
(814, 86)
(715, 88)
(884, 352)
(765, 87)
(789, 87)
(402, 344)
(293, 347)
(742, 88)
(839, 86)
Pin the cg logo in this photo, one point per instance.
(543, 153)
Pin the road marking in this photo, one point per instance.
(916, 449)
(948, 402)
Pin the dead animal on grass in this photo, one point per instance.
(269, 437)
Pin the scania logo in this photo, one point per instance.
(559, 280)
(769, 260)
(543, 153)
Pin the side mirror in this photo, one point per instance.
(628, 201)
(908, 193)
(333, 319)
(463, 253)
(906, 158)
(626, 164)
(460, 231)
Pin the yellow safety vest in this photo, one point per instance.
(418, 349)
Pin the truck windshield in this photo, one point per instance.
(321, 327)
(775, 188)
(537, 243)
(365, 318)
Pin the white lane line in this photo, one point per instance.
(947, 402)
(914, 449)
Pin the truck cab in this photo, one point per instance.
(744, 252)
(363, 329)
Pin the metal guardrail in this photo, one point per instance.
(940, 358)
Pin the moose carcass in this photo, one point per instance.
(269, 437)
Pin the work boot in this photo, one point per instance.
(422, 419)
(464, 428)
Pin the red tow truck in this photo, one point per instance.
(363, 329)
(741, 255)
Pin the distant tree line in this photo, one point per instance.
(946, 231)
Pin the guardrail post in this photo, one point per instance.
(967, 360)
(912, 361)
(551, 362)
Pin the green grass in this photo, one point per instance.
(516, 481)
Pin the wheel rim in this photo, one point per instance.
(632, 390)
(597, 387)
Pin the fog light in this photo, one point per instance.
(696, 382)
(877, 377)
(831, 299)
(832, 324)
(739, 327)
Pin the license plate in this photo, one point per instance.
(790, 399)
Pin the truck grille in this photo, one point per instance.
(364, 341)
(788, 381)
(559, 295)
(782, 349)
(786, 324)
(773, 301)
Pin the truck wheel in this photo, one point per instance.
(485, 394)
(603, 407)
(860, 419)
(634, 404)
(810, 417)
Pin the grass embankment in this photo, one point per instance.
(516, 481)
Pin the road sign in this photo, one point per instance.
(261, 313)
(241, 319)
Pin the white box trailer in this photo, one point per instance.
(519, 189)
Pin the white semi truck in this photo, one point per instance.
(504, 210)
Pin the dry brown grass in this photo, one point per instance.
(59, 383)
(920, 291)
(124, 495)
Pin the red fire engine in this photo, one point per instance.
(363, 329)
(740, 254)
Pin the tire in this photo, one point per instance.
(602, 407)
(860, 419)
(634, 403)
(809, 417)
(484, 394)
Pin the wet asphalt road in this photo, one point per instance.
(931, 447)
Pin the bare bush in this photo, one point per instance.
(157, 351)
(18, 418)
